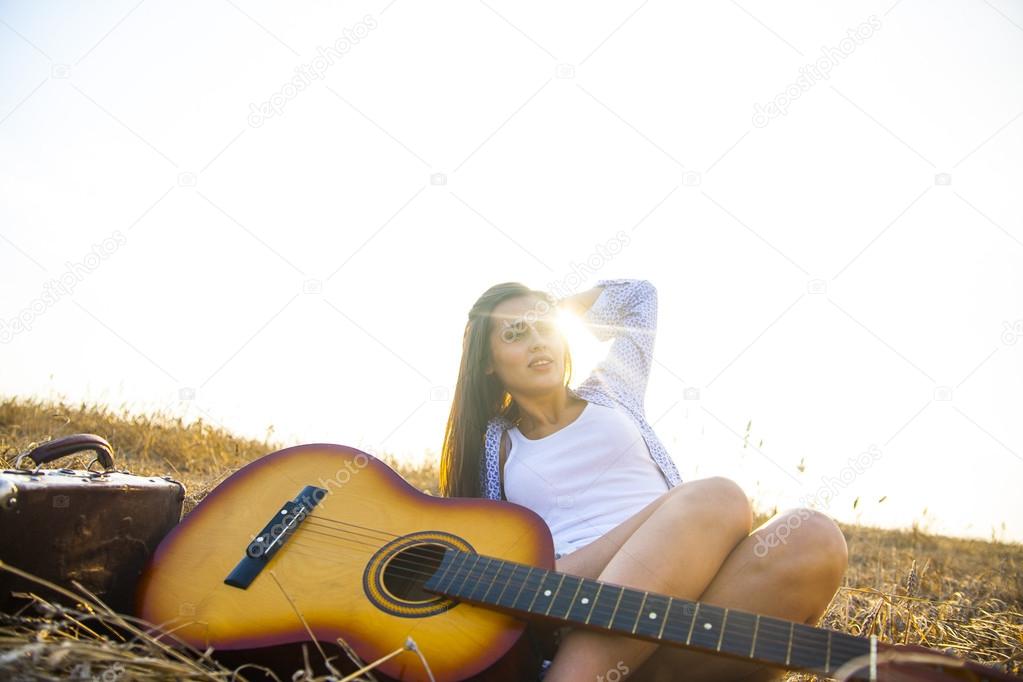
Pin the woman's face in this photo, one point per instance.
(523, 330)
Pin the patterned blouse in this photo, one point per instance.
(626, 311)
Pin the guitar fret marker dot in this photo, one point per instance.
(585, 600)
(653, 616)
(707, 626)
(546, 593)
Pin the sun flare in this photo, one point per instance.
(586, 350)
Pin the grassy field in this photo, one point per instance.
(961, 596)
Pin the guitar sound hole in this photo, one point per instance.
(406, 571)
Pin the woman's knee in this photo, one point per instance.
(715, 500)
(805, 540)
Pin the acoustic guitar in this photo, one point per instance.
(325, 541)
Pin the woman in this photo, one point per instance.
(589, 463)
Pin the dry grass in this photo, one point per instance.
(196, 454)
(962, 596)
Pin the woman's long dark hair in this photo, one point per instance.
(480, 396)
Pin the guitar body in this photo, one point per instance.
(352, 567)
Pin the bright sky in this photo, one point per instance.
(280, 214)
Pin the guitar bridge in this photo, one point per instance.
(273, 536)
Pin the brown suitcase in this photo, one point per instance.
(96, 527)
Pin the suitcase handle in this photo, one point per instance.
(68, 445)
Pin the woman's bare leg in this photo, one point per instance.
(694, 525)
(789, 568)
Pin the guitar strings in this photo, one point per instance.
(411, 568)
(772, 632)
(769, 634)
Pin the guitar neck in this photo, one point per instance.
(530, 591)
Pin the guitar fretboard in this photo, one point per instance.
(528, 590)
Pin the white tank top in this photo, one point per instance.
(584, 479)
